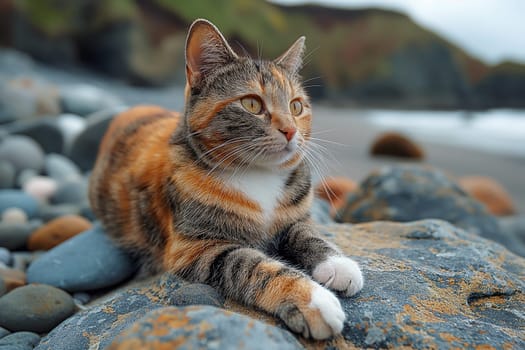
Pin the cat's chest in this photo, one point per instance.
(263, 187)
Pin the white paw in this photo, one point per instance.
(331, 312)
(339, 273)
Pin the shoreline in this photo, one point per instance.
(349, 137)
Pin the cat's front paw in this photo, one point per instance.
(339, 273)
(321, 318)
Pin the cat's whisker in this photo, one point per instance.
(226, 143)
(313, 163)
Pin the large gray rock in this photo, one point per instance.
(35, 308)
(407, 193)
(85, 262)
(200, 326)
(428, 284)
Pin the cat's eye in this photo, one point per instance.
(252, 104)
(296, 107)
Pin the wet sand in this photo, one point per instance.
(353, 136)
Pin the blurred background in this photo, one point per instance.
(447, 77)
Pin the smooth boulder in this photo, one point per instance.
(88, 261)
(35, 308)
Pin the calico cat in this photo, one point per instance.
(221, 195)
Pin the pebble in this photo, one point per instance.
(14, 216)
(5, 256)
(15, 236)
(199, 326)
(24, 176)
(18, 199)
(22, 152)
(12, 278)
(19, 341)
(44, 131)
(60, 168)
(196, 294)
(57, 231)
(85, 262)
(71, 125)
(41, 187)
(83, 99)
(35, 307)
(7, 174)
(85, 147)
(71, 192)
(49, 212)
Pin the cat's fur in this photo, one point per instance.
(222, 195)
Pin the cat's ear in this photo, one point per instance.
(206, 50)
(292, 59)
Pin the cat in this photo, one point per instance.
(221, 194)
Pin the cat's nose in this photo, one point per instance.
(288, 132)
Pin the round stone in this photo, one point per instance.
(20, 341)
(83, 99)
(196, 294)
(36, 308)
(41, 187)
(7, 174)
(72, 192)
(14, 216)
(57, 231)
(24, 176)
(61, 168)
(49, 212)
(22, 152)
(88, 261)
(18, 199)
(43, 131)
(15, 236)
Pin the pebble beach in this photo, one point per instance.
(65, 285)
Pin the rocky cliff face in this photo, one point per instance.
(369, 57)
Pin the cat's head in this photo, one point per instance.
(242, 111)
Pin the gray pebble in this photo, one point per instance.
(23, 153)
(7, 174)
(35, 307)
(43, 131)
(49, 212)
(18, 199)
(85, 262)
(19, 341)
(15, 236)
(196, 294)
(71, 192)
(61, 168)
(83, 99)
(24, 176)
